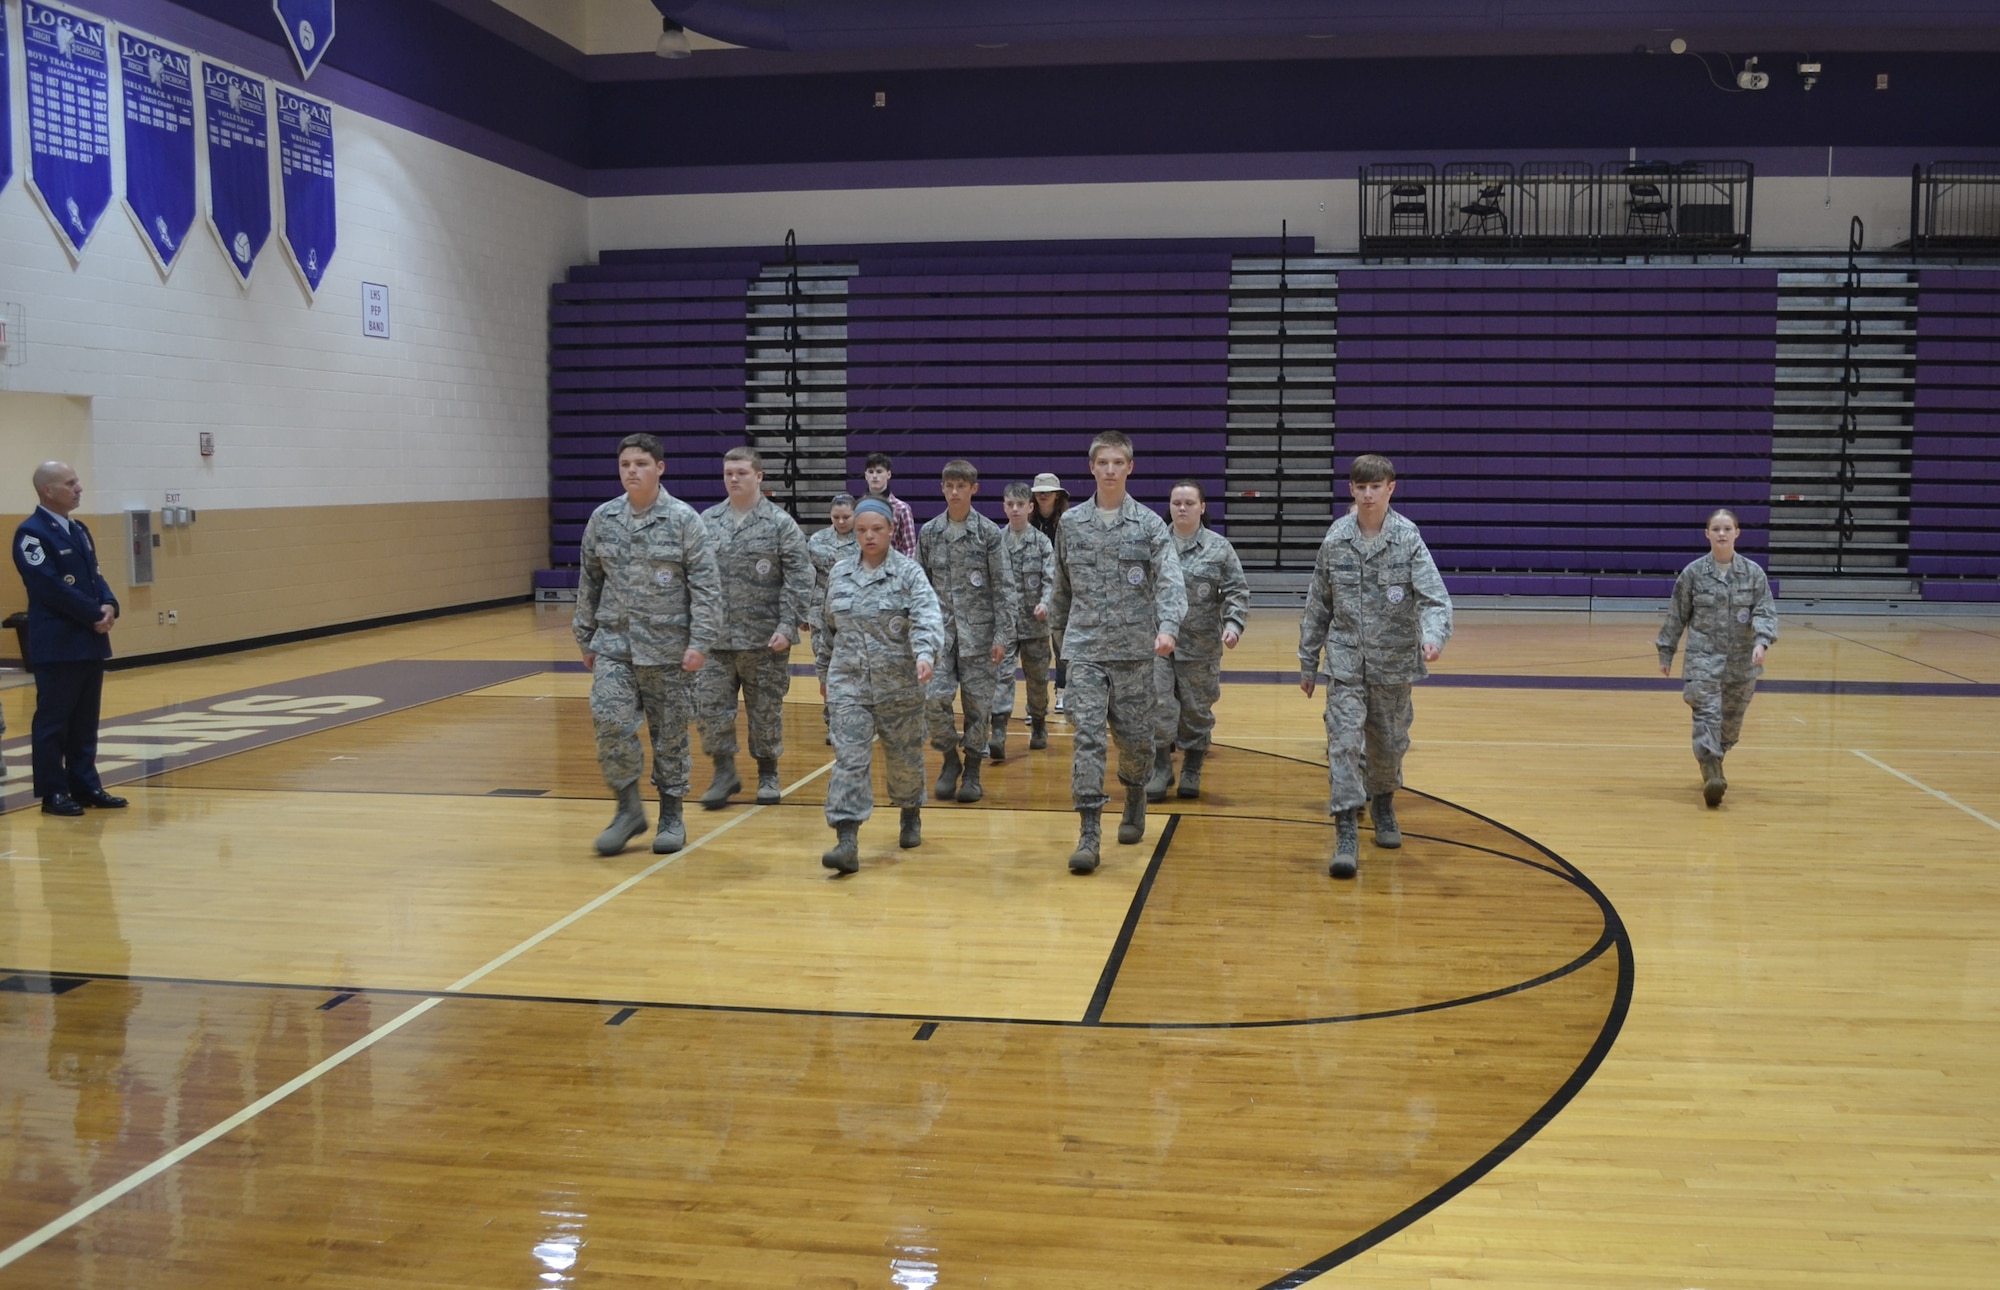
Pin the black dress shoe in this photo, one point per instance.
(98, 797)
(61, 804)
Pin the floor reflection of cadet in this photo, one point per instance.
(1119, 600)
(1191, 680)
(963, 554)
(648, 608)
(1723, 602)
(882, 631)
(828, 547)
(1033, 558)
(1379, 612)
(767, 588)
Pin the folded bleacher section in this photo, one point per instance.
(1560, 430)
(1014, 356)
(1955, 458)
(651, 341)
(1563, 431)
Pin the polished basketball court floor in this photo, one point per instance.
(346, 999)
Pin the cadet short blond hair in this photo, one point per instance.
(744, 452)
(1114, 439)
(961, 470)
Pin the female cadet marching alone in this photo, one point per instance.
(1190, 680)
(881, 632)
(1723, 602)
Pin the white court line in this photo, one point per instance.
(1942, 797)
(56, 1227)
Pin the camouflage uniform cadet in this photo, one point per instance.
(1118, 586)
(1726, 611)
(647, 593)
(879, 622)
(826, 548)
(1374, 604)
(1189, 683)
(767, 587)
(1033, 559)
(975, 588)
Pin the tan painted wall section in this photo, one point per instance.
(240, 574)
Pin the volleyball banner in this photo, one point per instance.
(69, 119)
(305, 176)
(158, 82)
(308, 28)
(239, 167)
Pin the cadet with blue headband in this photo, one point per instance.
(879, 635)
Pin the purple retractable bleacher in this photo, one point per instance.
(1563, 431)
(1955, 460)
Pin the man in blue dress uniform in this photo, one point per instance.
(70, 615)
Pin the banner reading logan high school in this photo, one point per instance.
(305, 174)
(239, 174)
(69, 119)
(158, 82)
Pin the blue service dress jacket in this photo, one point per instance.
(66, 590)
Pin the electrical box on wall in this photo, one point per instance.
(139, 547)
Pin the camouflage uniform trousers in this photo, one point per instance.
(620, 694)
(1188, 691)
(1121, 695)
(765, 677)
(1367, 733)
(1718, 714)
(972, 676)
(1033, 657)
(850, 795)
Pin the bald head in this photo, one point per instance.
(57, 486)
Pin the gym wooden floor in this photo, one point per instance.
(363, 1009)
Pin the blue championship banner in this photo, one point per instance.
(158, 82)
(6, 109)
(308, 28)
(69, 119)
(239, 166)
(305, 176)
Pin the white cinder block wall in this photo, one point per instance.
(304, 409)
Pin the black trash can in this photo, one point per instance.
(18, 620)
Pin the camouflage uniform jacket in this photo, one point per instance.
(1726, 611)
(827, 548)
(767, 574)
(1218, 594)
(1373, 606)
(974, 580)
(1117, 585)
(878, 623)
(1033, 558)
(649, 589)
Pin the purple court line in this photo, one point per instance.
(140, 745)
